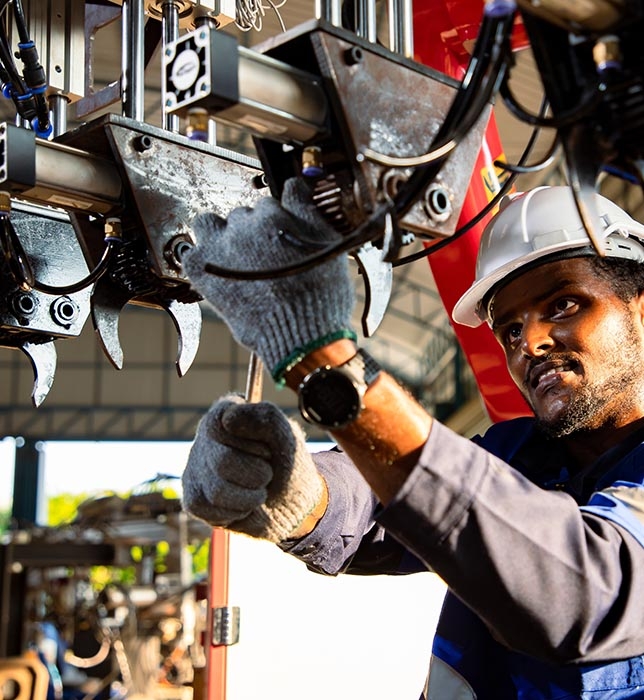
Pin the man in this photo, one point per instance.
(537, 528)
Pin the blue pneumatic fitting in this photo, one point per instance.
(43, 133)
(312, 162)
(499, 8)
(313, 171)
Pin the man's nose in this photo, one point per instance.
(536, 339)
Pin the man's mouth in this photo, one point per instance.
(545, 374)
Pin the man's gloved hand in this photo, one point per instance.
(284, 316)
(249, 470)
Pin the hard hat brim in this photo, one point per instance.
(466, 309)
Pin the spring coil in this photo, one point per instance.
(329, 199)
(130, 269)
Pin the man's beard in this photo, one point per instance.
(580, 416)
(600, 404)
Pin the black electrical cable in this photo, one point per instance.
(535, 167)
(14, 254)
(26, 90)
(21, 21)
(15, 86)
(426, 252)
(489, 207)
(99, 270)
(473, 94)
(565, 118)
(439, 153)
(22, 272)
(34, 73)
(4, 76)
(6, 59)
(484, 73)
(362, 234)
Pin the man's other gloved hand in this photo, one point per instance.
(278, 317)
(249, 470)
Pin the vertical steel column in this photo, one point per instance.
(170, 32)
(211, 137)
(330, 11)
(132, 58)
(58, 106)
(366, 20)
(401, 30)
(27, 482)
(407, 21)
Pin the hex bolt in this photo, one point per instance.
(64, 311)
(259, 182)
(437, 203)
(23, 304)
(353, 56)
(392, 182)
(142, 143)
(176, 248)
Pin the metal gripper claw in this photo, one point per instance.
(107, 302)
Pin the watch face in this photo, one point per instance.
(329, 398)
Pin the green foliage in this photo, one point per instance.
(102, 576)
(5, 518)
(62, 509)
(200, 556)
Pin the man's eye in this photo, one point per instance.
(512, 334)
(563, 305)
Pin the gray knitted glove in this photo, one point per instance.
(282, 317)
(249, 470)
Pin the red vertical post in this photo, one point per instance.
(443, 30)
(216, 665)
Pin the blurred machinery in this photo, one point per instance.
(396, 137)
(113, 603)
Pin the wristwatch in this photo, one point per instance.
(331, 397)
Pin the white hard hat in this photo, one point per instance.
(542, 223)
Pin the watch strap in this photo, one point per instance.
(363, 366)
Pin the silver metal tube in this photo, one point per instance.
(132, 59)
(262, 80)
(276, 100)
(401, 27)
(58, 106)
(170, 32)
(366, 20)
(408, 28)
(254, 379)
(330, 11)
(212, 132)
(395, 26)
(74, 179)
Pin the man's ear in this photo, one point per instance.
(639, 301)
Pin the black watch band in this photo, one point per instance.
(331, 397)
